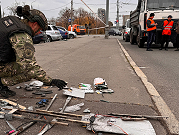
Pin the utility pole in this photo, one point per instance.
(71, 14)
(117, 25)
(107, 16)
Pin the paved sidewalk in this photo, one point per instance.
(81, 60)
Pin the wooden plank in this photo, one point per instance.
(69, 114)
(13, 103)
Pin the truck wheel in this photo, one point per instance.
(140, 42)
(132, 39)
(174, 45)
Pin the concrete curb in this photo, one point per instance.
(172, 123)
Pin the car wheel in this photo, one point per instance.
(114, 34)
(49, 39)
(71, 36)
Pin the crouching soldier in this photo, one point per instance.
(17, 61)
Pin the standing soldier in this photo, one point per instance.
(151, 29)
(167, 27)
(17, 61)
(177, 31)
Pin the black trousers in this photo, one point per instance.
(165, 38)
(151, 38)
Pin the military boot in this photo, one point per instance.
(5, 91)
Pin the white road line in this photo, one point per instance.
(171, 122)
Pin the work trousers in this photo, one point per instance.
(150, 39)
(165, 38)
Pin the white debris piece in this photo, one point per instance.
(36, 83)
(86, 87)
(73, 108)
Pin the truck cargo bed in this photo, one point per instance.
(134, 17)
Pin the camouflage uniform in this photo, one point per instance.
(25, 67)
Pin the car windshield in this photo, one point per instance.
(162, 4)
(81, 27)
(54, 28)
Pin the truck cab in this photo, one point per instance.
(78, 29)
(161, 9)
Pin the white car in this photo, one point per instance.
(53, 33)
(126, 33)
(70, 33)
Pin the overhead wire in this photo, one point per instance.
(57, 7)
(93, 12)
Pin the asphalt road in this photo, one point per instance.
(81, 60)
(161, 68)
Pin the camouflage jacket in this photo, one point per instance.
(24, 50)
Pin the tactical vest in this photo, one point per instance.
(8, 26)
(167, 27)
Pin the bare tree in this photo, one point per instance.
(81, 17)
(64, 15)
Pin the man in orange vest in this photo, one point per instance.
(167, 30)
(151, 29)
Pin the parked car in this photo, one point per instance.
(70, 33)
(64, 34)
(53, 33)
(114, 32)
(41, 36)
(126, 33)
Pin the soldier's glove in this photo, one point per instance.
(59, 83)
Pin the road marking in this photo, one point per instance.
(172, 123)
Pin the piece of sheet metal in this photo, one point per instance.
(116, 125)
(74, 92)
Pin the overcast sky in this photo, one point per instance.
(51, 8)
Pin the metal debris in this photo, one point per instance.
(87, 110)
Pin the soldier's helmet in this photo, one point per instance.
(33, 15)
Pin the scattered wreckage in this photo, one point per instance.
(112, 123)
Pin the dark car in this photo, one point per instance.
(114, 32)
(40, 37)
(64, 34)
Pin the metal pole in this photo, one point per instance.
(0, 10)
(117, 26)
(88, 30)
(107, 16)
(71, 13)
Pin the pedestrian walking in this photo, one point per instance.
(167, 26)
(177, 40)
(17, 60)
(151, 29)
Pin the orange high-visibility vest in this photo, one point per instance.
(167, 27)
(153, 28)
